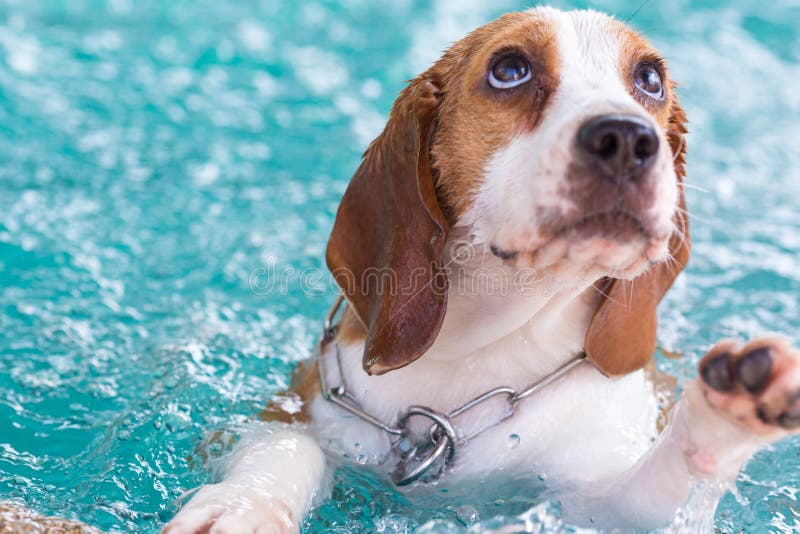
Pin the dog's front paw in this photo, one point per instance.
(229, 509)
(757, 385)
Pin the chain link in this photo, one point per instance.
(429, 458)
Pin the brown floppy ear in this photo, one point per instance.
(622, 334)
(385, 251)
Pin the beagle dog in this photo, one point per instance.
(501, 251)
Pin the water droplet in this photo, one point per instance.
(124, 435)
(542, 477)
(176, 422)
(361, 459)
(467, 514)
(513, 441)
(392, 524)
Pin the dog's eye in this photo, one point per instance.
(509, 71)
(648, 81)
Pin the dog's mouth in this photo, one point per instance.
(616, 225)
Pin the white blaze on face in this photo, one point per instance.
(529, 175)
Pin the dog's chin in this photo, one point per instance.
(601, 255)
(620, 252)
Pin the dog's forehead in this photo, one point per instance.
(587, 43)
(590, 44)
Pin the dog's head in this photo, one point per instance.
(556, 140)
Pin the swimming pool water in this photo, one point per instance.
(158, 158)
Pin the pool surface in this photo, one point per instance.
(159, 159)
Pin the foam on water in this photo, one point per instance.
(169, 169)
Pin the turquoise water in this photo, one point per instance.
(156, 156)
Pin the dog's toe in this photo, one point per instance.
(790, 417)
(717, 372)
(754, 369)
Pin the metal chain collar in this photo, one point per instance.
(428, 458)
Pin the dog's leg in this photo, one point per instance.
(267, 488)
(746, 397)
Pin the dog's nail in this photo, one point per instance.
(717, 372)
(761, 412)
(755, 368)
(790, 419)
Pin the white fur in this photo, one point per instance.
(590, 435)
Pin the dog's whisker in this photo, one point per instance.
(692, 215)
(694, 187)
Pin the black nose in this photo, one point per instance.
(623, 147)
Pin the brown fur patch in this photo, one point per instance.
(305, 387)
(351, 330)
(293, 405)
(664, 388)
